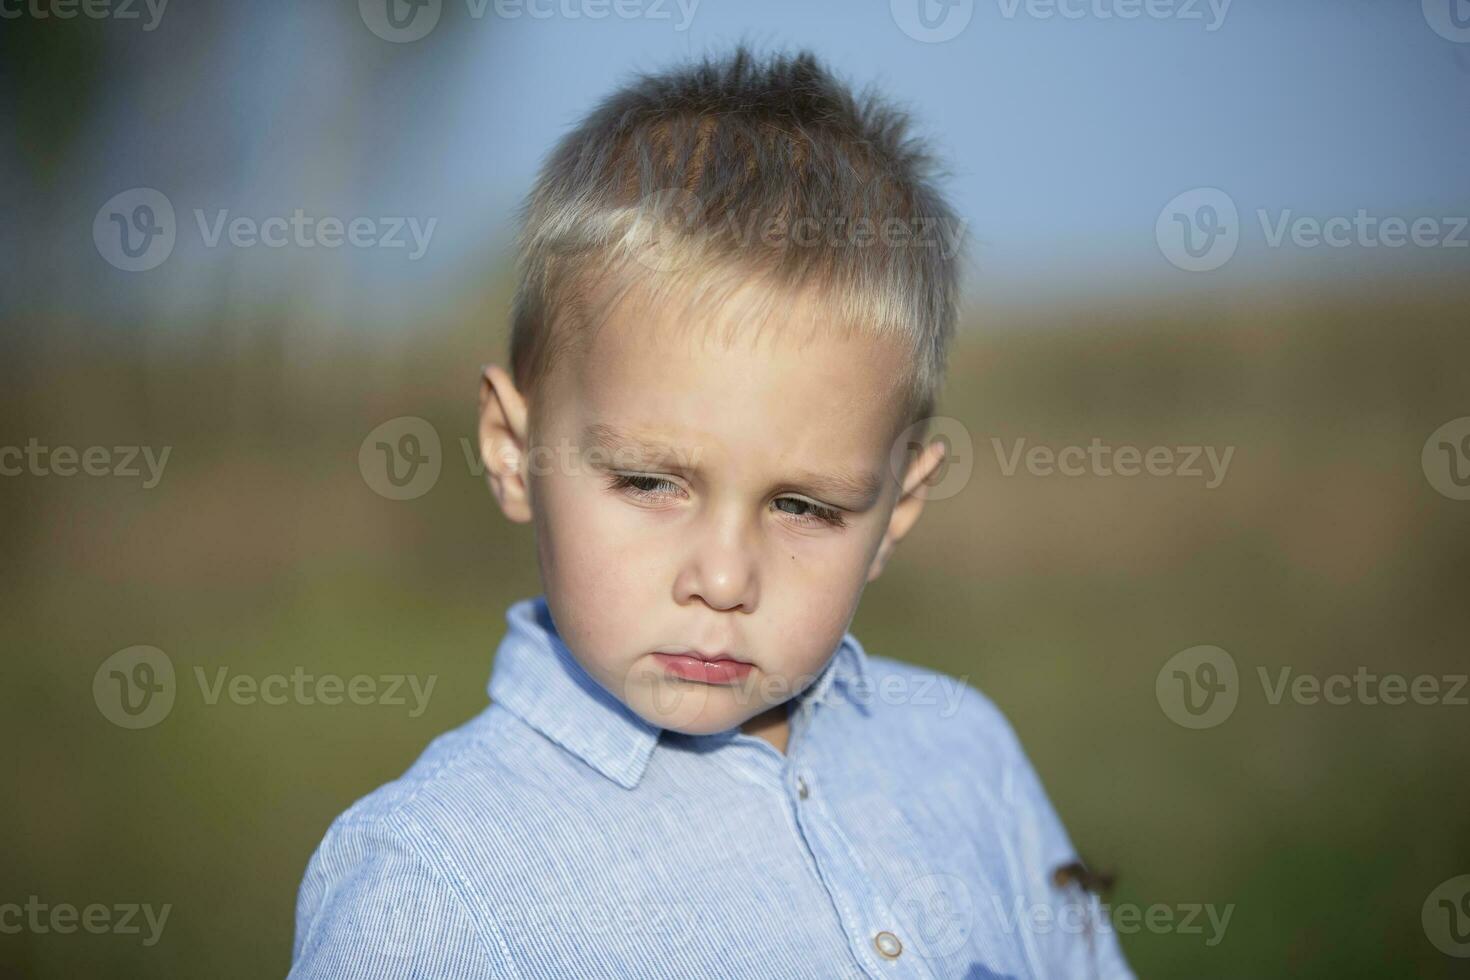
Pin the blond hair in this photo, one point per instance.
(723, 172)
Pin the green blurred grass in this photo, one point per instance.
(263, 549)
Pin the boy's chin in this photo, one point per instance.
(702, 729)
(691, 713)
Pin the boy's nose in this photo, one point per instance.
(720, 572)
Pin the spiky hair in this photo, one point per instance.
(713, 175)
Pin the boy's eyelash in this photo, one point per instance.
(640, 485)
(816, 513)
(632, 481)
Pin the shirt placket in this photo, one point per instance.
(873, 932)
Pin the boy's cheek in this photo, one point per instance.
(615, 536)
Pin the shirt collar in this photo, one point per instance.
(536, 677)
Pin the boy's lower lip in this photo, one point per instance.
(690, 668)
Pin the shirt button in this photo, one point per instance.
(887, 944)
(801, 787)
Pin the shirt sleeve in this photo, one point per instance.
(1064, 930)
(371, 906)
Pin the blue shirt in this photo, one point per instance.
(558, 834)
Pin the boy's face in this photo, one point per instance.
(695, 501)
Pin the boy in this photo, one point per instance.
(733, 309)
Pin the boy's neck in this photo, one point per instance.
(773, 725)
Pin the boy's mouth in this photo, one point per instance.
(707, 668)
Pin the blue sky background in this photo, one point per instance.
(1066, 136)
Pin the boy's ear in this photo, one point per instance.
(504, 443)
(910, 503)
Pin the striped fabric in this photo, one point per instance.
(557, 834)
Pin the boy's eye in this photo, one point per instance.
(639, 485)
(802, 511)
(811, 513)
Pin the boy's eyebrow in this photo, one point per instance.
(857, 490)
(612, 438)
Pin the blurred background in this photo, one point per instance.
(191, 395)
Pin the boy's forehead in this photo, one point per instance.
(746, 347)
(687, 366)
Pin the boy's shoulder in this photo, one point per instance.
(914, 685)
(489, 756)
(928, 714)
